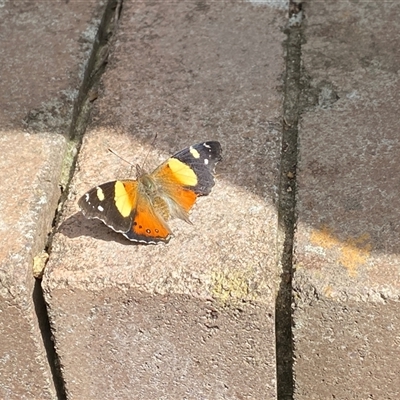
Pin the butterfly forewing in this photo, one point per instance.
(193, 167)
(112, 203)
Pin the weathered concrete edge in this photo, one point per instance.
(80, 116)
(82, 106)
(88, 90)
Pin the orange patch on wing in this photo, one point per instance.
(147, 223)
(184, 197)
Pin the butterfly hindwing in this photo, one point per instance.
(147, 226)
(123, 207)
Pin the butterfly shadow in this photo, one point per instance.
(77, 225)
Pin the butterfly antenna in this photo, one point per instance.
(151, 146)
(120, 157)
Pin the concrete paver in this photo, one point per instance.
(194, 318)
(41, 63)
(346, 285)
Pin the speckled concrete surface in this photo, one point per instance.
(194, 318)
(346, 285)
(41, 61)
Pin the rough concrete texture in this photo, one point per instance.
(194, 318)
(346, 285)
(36, 103)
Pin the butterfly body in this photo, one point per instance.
(140, 209)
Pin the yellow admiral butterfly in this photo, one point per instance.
(140, 209)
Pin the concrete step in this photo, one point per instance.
(45, 46)
(208, 315)
(193, 318)
(346, 285)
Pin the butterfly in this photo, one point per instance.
(140, 209)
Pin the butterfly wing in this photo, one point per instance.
(112, 203)
(122, 207)
(148, 226)
(139, 209)
(187, 175)
(201, 160)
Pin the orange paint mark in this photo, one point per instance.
(353, 253)
(328, 291)
(323, 238)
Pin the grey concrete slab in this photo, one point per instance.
(194, 318)
(346, 285)
(41, 62)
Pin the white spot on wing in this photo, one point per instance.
(100, 208)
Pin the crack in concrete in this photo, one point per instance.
(87, 94)
(287, 202)
(81, 112)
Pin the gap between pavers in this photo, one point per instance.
(195, 317)
(44, 49)
(346, 285)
